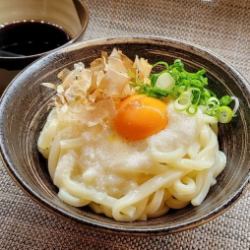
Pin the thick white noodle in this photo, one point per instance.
(174, 179)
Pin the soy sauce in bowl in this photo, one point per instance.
(30, 38)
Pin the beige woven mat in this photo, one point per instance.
(223, 27)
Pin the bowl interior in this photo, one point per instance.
(24, 109)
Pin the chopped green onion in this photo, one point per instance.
(165, 81)
(196, 95)
(225, 100)
(160, 63)
(153, 78)
(205, 95)
(224, 114)
(157, 92)
(213, 102)
(192, 109)
(210, 111)
(236, 104)
(201, 72)
(189, 91)
(183, 101)
(178, 64)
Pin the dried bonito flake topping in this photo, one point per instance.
(90, 95)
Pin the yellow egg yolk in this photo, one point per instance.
(139, 117)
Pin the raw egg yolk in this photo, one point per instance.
(139, 116)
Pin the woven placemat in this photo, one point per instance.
(222, 26)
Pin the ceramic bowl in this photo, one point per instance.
(24, 108)
(71, 15)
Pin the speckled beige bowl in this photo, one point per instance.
(24, 108)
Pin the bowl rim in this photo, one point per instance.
(154, 40)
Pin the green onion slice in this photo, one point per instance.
(160, 63)
(213, 101)
(153, 78)
(183, 101)
(225, 100)
(192, 109)
(196, 95)
(165, 81)
(236, 104)
(224, 114)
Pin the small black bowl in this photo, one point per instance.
(24, 108)
(11, 63)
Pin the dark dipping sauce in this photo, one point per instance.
(30, 38)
